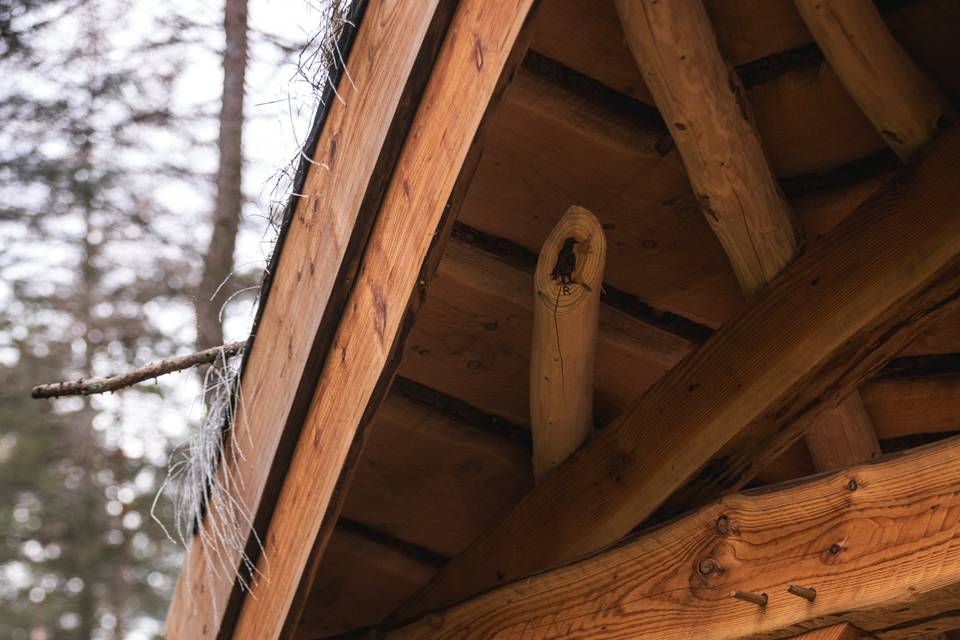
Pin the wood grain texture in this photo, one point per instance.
(465, 75)
(880, 543)
(706, 111)
(836, 632)
(429, 479)
(903, 104)
(828, 322)
(903, 407)
(566, 314)
(321, 232)
(702, 101)
(360, 580)
(843, 436)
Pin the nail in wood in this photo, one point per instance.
(759, 599)
(803, 592)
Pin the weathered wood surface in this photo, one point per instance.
(468, 69)
(903, 104)
(566, 313)
(705, 109)
(807, 341)
(702, 102)
(880, 543)
(320, 235)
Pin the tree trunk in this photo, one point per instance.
(226, 215)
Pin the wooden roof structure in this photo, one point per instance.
(749, 212)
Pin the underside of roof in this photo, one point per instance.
(388, 391)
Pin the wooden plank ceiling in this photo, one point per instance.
(448, 454)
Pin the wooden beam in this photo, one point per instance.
(841, 631)
(843, 436)
(808, 340)
(483, 40)
(904, 105)
(310, 283)
(880, 544)
(704, 105)
(566, 313)
(705, 109)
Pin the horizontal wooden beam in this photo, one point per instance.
(811, 337)
(879, 544)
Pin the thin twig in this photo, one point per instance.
(90, 386)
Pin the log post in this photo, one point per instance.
(567, 285)
(705, 108)
(843, 436)
(905, 106)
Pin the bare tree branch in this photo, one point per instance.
(90, 386)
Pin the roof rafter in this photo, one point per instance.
(706, 109)
(480, 50)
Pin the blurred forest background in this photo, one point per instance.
(134, 225)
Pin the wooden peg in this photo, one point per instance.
(759, 599)
(806, 593)
(567, 285)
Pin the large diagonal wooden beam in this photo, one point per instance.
(705, 108)
(879, 544)
(480, 51)
(312, 272)
(811, 337)
(899, 99)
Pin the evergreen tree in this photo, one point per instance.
(93, 261)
